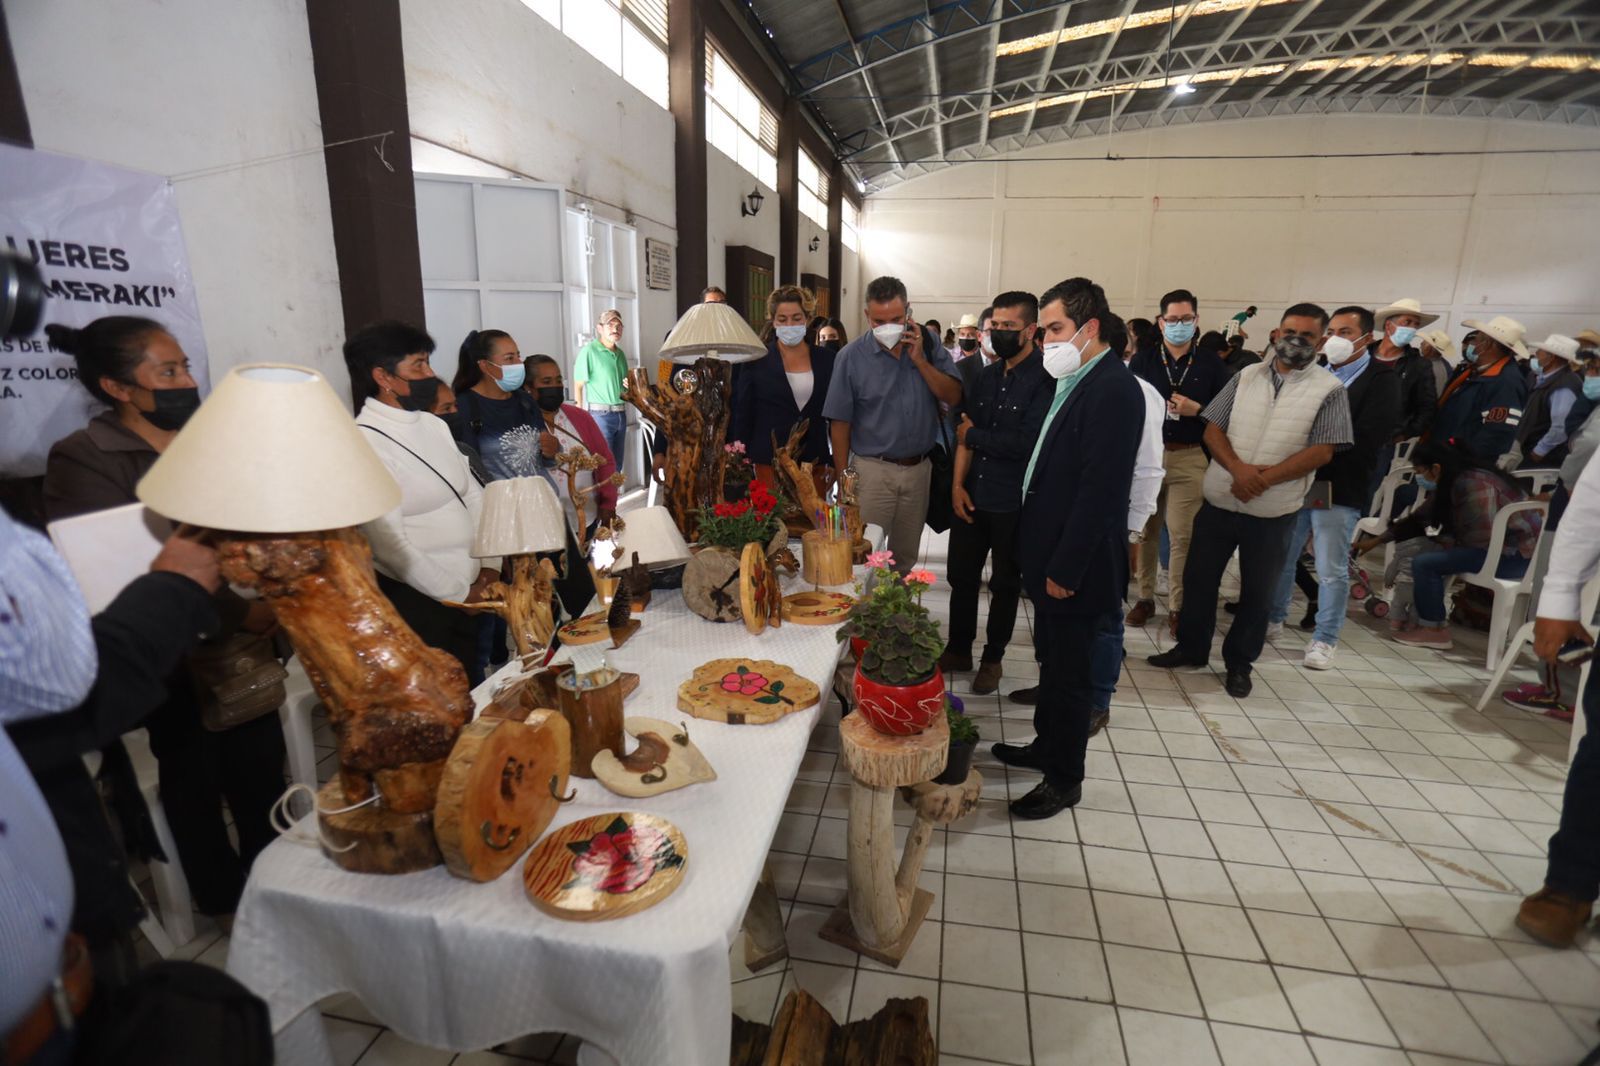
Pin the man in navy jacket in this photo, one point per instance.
(1073, 545)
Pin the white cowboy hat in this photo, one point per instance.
(1557, 345)
(1508, 331)
(968, 322)
(1438, 340)
(1407, 306)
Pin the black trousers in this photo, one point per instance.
(1575, 849)
(1263, 543)
(988, 535)
(1064, 646)
(200, 769)
(446, 628)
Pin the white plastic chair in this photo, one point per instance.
(1504, 590)
(1402, 454)
(1537, 480)
(647, 451)
(172, 888)
(295, 716)
(1524, 637)
(1382, 501)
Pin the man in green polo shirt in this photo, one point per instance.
(597, 375)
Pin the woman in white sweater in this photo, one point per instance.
(422, 549)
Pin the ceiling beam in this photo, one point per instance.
(1045, 63)
(866, 78)
(991, 64)
(933, 80)
(1100, 63)
(1227, 35)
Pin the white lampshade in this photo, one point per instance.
(521, 515)
(652, 533)
(272, 450)
(714, 330)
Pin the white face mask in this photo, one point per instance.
(1337, 349)
(889, 333)
(1063, 357)
(791, 335)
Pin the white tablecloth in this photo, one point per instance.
(459, 965)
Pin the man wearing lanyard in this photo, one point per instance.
(597, 377)
(1187, 380)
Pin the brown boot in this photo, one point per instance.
(988, 679)
(1141, 612)
(955, 662)
(1553, 917)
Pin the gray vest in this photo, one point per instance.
(1536, 413)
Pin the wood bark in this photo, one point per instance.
(696, 425)
(805, 1034)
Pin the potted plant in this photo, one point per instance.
(963, 742)
(711, 578)
(740, 471)
(898, 687)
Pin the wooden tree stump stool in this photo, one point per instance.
(884, 907)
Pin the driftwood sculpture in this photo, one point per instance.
(636, 580)
(395, 704)
(696, 424)
(527, 604)
(572, 462)
(793, 476)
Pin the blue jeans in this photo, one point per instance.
(1431, 570)
(1105, 661)
(614, 427)
(1330, 529)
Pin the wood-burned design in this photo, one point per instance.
(760, 600)
(745, 692)
(817, 608)
(500, 788)
(606, 866)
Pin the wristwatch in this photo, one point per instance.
(1136, 536)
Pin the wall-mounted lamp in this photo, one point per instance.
(816, 242)
(752, 203)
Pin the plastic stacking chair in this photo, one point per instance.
(1523, 637)
(295, 716)
(172, 888)
(1504, 590)
(1538, 480)
(647, 451)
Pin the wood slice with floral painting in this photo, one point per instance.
(817, 608)
(607, 866)
(745, 692)
(760, 600)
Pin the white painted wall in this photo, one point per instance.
(1470, 236)
(727, 184)
(190, 84)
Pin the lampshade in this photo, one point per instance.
(521, 515)
(652, 533)
(272, 450)
(714, 330)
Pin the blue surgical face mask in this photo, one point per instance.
(1402, 336)
(1591, 388)
(1469, 353)
(1426, 484)
(790, 335)
(512, 375)
(1178, 332)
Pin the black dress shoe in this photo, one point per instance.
(1238, 684)
(1025, 696)
(1047, 799)
(1024, 756)
(1173, 658)
(1098, 720)
(1231, 608)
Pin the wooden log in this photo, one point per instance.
(711, 585)
(384, 841)
(595, 715)
(501, 787)
(825, 560)
(527, 604)
(885, 761)
(793, 477)
(805, 1034)
(944, 804)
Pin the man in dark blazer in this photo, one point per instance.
(1073, 545)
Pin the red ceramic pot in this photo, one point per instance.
(899, 710)
(858, 647)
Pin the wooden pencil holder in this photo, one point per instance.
(595, 715)
(825, 560)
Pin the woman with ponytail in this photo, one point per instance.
(498, 417)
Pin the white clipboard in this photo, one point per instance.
(106, 550)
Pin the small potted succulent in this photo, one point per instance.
(963, 742)
(898, 687)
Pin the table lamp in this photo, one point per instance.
(654, 537)
(273, 462)
(521, 517)
(712, 337)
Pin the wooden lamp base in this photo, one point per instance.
(385, 842)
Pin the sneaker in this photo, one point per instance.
(1527, 688)
(1435, 637)
(1536, 699)
(1274, 630)
(1319, 655)
(1401, 625)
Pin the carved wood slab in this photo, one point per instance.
(594, 628)
(817, 608)
(711, 585)
(760, 599)
(607, 866)
(666, 759)
(385, 841)
(500, 789)
(745, 692)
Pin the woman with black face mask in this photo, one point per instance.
(574, 428)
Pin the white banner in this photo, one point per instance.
(108, 242)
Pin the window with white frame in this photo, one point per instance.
(813, 190)
(738, 124)
(629, 36)
(850, 225)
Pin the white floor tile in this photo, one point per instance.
(1241, 1046)
(980, 854)
(1050, 862)
(977, 955)
(831, 985)
(1163, 1040)
(1563, 977)
(755, 1000)
(391, 1049)
(1529, 1034)
(1108, 829)
(1113, 870)
(1243, 992)
(1066, 967)
(1200, 880)
(1336, 1006)
(1246, 844)
(1344, 1053)
(984, 1022)
(1351, 898)
(1385, 952)
(1477, 964)
(1069, 1033)
(804, 924)
(874, 989)
(1318, 852)
(1206, 929)
(1138, 920)
(980, 901)
(1270, 888)
(1299, 940)
(1057, 910)
(1153, 980)
(349, 1040)
(1431, 1019)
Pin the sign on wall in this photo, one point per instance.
(657, 264)
(108, 242)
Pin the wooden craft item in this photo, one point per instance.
(665, 760)
(620, 622)
(596, 627)
(805, 1034)
(521, 696)
(595, 715)
(500, 789)
(636, 579)
(572, 462)
(695, 420)
(794, 477)
(784, 559)
(825, 560)
(527, 604)
(746, 692)
(765, 941)
(817, 608)
(711, 585)
(607, 866)
(395, 704)
(884, 907)
(760, 599)
(385, 841)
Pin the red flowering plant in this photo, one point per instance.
(622, 858)
(903, 639)
(736, 523)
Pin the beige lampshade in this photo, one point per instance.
(521, 515)
(272, 450)
(715, 330)
(652, 533)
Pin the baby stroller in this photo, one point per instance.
(1364, 590)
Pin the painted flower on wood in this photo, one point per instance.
(622, 858)
(747, 682)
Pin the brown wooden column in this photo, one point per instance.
(836, 180)
(361, 90)
(14, 128)
(686, 92)
(789, 192)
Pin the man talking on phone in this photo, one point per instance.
(1557, 913)
(883, 406)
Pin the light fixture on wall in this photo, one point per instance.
(816, 242)
(752, 203)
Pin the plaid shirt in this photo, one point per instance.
(1478, 496)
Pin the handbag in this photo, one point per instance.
(941, 510)
(240, 679)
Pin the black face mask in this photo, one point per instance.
(173, 407)
(968, 344)
(1007, 343)
(551, 397)
(457, 421)
(423, 395)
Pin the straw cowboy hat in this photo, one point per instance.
(1557, 345)
(1407, 306)
(1589, 339)
(1438, 340)
(1508, 331)
(968, 322)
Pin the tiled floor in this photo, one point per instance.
(1324, 873)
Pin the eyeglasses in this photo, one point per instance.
(1186, 320)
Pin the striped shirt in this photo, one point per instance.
(1331, 426)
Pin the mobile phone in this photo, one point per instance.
(1575, 653)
